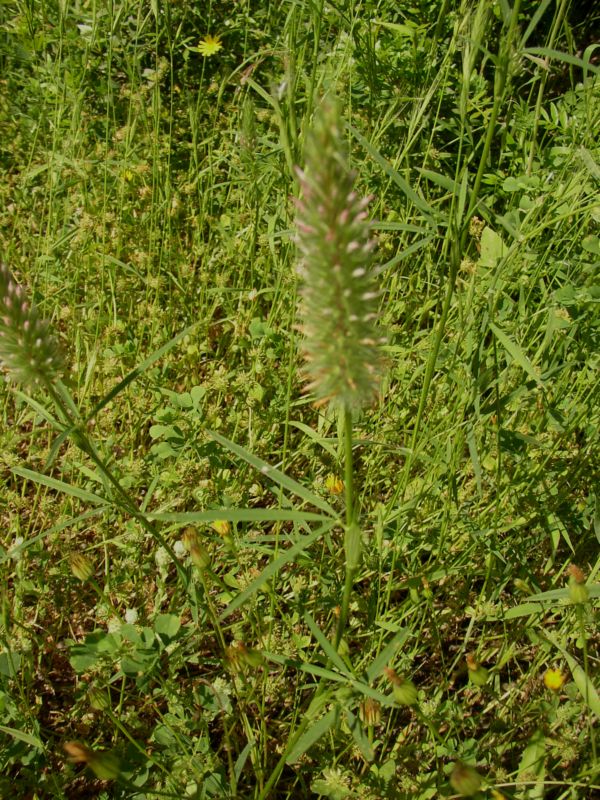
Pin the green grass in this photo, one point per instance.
(145, 203)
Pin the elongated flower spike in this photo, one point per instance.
(339, 297)
(27, 350)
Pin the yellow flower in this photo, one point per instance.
(222, 527)
(334, 485)
(553, 679)
(209, 45)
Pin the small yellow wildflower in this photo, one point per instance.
(222, 527)
(209, 45)
(334, 485)
(553, 679)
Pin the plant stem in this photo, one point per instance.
(350, 558)
(82, 440)
(307, 719)
(586, 668)
(350, 571)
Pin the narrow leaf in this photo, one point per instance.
(320, 440)
(242, 758)
(582, 681)
(326, 645)
(395, 176)
(23, 737)
(139, 370)
(533, 763)
(321, 672)
(547, 52)
(516, 353)
(274, 474)
(359, 736)
(387, 654)
(539, 13)
(238, 515)
(312, 735)
(274, 567)
(406, 253)
(59, 486)
(71, 522)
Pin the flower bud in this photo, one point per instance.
(99, 699)
(578, 591)
(553, 679)
(198, 553)
(200, 556)
(465, 780)
(222, 527)
(240, 656)
(104, 763)
(333, 484)
(478, 675)
(81, 566)
(404, 691)
(369, 711)
(343, 648)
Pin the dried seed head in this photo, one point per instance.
(27, 350)
(339, 297)
(81, 566)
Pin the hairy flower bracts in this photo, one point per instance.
(338, 308)
(27, 350)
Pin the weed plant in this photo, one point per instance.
(214, 585)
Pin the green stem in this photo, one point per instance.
(307, 720)
(558, 18)
(586, 669)
(350, 567)
(350, 534)
(82, 440)
(348, 467)
(500, 82)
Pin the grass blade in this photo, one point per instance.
(359, 736)
(275, 475)
(326, 645)
(387, 654)
(516, 353)
(238, 515)
(429, 213)
(581, 680)
(139, 370)
(547, 52)
(22, 737)
(59, 486)
(273, 568)
(312, 735)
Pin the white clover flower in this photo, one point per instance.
(179, 549)
(15, 551)
(114, 625)
(162, 558)
(131, 616)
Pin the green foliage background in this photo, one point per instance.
(145, 189)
